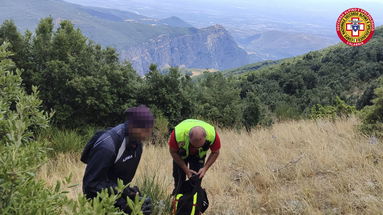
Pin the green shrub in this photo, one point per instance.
(340, 109)
(372, 116)
(20, 192)
(19, 112)
(104, 203)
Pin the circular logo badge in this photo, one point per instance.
(355, 27)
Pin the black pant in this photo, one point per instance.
(195, 163)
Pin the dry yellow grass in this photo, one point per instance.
(296, 167)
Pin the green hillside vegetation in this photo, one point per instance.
(86, 84)
(291, 87)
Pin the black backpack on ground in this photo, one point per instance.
(191, 198)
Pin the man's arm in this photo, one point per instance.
(176, 157)
(210, 160)
(212, 157)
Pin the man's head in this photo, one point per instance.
(197, 136)
(140, 122)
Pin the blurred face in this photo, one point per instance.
(140, 134)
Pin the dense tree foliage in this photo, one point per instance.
(168, 94)
(81, 81)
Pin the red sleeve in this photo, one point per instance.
(217, 143)
(172, 142)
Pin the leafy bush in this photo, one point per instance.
(340, 109)
(19, 112)
(21, 193)
(103, 203)
(373, 115)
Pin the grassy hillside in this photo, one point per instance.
(108, 27)
(295, 167)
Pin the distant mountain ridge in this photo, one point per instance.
(211, 47)
(134, 35)
(259, 27)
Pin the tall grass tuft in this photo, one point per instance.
(66, 140)
(152, 186)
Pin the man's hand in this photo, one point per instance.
(210, 160)
(202, 172)
(189, 173)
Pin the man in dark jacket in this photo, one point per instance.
(117, 153)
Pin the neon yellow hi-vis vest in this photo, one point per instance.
(182, 130)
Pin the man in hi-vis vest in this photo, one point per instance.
(188, 145)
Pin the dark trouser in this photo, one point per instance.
(195, 163)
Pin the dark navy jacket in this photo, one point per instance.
(102, 171)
